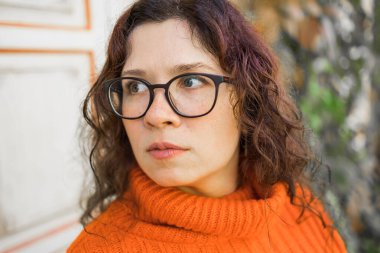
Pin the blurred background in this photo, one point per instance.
(330, 57)
(51, 51)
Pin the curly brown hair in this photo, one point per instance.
(273, 146)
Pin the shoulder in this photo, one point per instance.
(106, 232)
(307, 218)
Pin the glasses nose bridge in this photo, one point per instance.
(164, 86)
(159, 86)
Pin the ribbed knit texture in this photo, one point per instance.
(151, 218)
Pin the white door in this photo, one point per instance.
(50, 51)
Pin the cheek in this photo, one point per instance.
(219, 129)
(229, 132)
(133, 130)
(225, 112)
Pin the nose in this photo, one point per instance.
(160, 114)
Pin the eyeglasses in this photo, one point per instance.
(189, 95)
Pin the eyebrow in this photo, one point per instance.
(180, 68)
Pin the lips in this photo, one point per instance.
(165, 150)
(163, 146)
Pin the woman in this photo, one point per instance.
(196, 147)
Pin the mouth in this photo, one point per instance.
(165, 150)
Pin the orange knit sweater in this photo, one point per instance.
(151, 218)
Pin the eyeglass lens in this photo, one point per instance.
(189, 95)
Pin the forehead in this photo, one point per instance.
(160, 46)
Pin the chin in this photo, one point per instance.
(170, 177)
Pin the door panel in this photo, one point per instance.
(50, 52)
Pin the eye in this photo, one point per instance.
(193, 81)
(134, 87)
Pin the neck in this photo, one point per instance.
(216, 185)
(197, 216)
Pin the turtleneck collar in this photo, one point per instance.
(236, 215)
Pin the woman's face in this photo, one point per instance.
(196, 155)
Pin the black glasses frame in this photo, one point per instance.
(217, 79)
